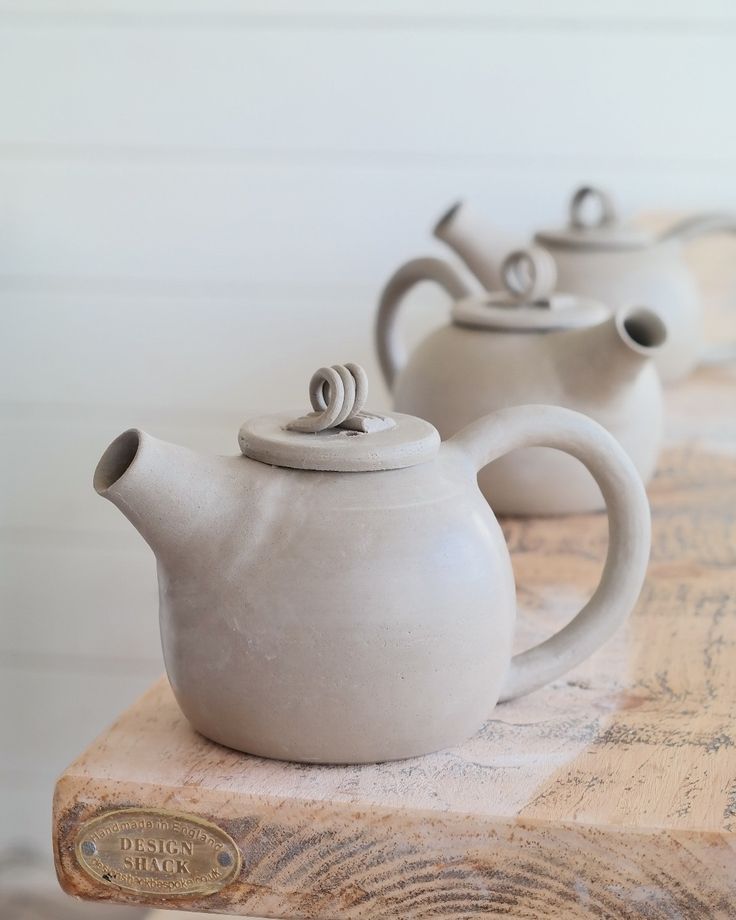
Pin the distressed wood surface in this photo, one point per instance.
(611, 793)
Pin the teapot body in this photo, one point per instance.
(342, 592)
(596, 255)
(655, 275)
(459, 374)
(341, 617)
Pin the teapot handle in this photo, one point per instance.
(391, 350)
(701, 225)
(628, 529)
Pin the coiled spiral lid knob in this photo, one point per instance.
(529, 275)
(339, 434)
(529, 301)
(593, 224)
(337, 393)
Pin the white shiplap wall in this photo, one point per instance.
(199, 198)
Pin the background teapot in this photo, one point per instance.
(340, 591)
(528, 345)
(598, 256)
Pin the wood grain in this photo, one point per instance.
(611, 793)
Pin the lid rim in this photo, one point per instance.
(498, 313)
(572, 239)
(409, 442)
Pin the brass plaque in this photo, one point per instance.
(157, 853)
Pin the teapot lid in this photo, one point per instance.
(529, 303)
(600, 230)
(339, 435)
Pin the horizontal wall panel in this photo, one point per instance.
(60, 714)
(55, 494)
(622, 93)
(227, 356)
(77, 378)
(48, 718)
(84, 377)
(25, 822)
(95, 605)
(138, 358)
(390, 11)
(244, 224)
(141, 226)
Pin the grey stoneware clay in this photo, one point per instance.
(529, 343)
(596, 255)
(340, 591)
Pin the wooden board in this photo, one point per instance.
(611, 793)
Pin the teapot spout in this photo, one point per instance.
(640, 330)
(480, 246)
(158, 486)
(613, 353)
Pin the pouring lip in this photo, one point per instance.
(447, 218)
(641, 329)
(116, 460)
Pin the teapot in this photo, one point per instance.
(596, 256)
(340, 591)
(528, 344)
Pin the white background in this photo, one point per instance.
(199, 201)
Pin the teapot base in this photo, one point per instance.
(386, 755)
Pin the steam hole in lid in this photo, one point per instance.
(645, 328)
(116, 460)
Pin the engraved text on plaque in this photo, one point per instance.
(157, 853)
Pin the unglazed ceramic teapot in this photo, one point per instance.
(341, 592)
(596, 256)
(529, 345)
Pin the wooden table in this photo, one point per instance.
(611, 793)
